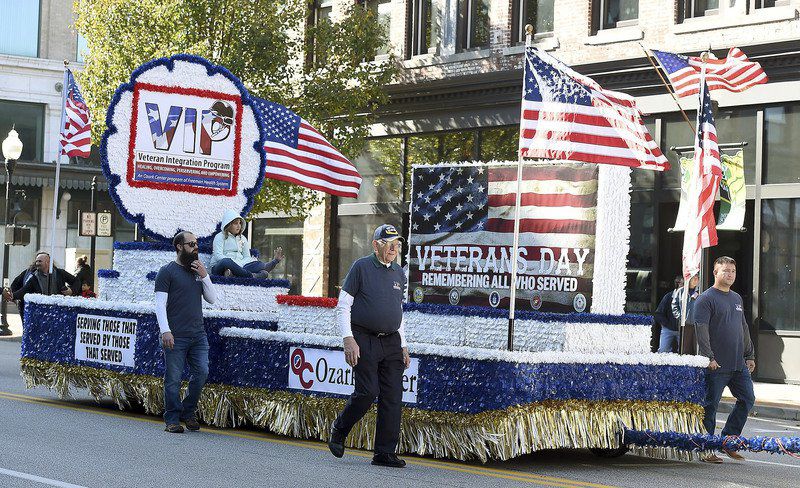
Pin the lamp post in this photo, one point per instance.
(12, 149)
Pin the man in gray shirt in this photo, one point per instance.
(179, 311)
(724, 338)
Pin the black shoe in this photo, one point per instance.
(390, 460)
(192, 424)
(174, 429)
(336, 443)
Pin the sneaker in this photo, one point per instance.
(733, 455)
(174, 429)
(711, 458)
(336, 443)
(192, 424)
(227, 273)
(389, 460)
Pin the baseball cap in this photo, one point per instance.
(386, 232)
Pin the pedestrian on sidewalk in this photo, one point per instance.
(180, 288)
(370, 318)
(668, 313)
(724, 338)
(42, 282)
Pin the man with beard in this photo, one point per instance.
(370, 317)
(179, 311)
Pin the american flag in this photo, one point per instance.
(567, 116)
(735, 73)
(299, 154)
(76, 135)
(701, 230)
(474, 206)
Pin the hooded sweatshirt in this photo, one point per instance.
(236, 248)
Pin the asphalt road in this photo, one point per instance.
(45, 441)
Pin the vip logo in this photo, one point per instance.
(216, 124)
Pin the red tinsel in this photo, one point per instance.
(301, 301)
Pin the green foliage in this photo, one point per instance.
(318, 72)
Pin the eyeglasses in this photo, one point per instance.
(190, 244)
(395, 244)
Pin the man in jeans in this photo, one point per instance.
(724, 338)
(179, 311)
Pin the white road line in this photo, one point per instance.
(38, 479)
(775, 464)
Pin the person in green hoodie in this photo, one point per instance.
(231, 251)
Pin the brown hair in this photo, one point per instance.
(241, 229)
(722, 260)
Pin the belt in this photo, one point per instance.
(371, 332)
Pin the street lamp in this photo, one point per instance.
(12, 149)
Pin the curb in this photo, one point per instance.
(776, 411)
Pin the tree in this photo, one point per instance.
(317, 71)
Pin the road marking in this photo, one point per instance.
(270, 438)
(38, 479)
(774, 464)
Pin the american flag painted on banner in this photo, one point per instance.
(701, 230)
(299, 154)
(474, 206)
(76, 135)
(735, 73)
(568, 116)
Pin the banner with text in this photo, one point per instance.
(326, 371)
(462, 231)
(107, 340)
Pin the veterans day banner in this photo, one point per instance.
(462, 228)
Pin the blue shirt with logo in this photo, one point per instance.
(377, 292)
(727, 328)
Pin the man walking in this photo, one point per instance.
(724, 338)
(370, 317)
(179, 311)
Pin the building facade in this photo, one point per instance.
(458, 98)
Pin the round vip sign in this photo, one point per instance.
(182, 146)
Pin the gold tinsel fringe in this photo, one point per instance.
(499, 434)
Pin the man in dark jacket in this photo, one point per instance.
(41, 282)
(19, 282)
(668, 314)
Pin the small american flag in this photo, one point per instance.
(299, 154)
(701, 229)
(568, 116)
(76, 135)
(735, 73)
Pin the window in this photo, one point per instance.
(781, 144)
(322, 11)
(689, 9)
(382, 10)
(28, 120)
(83, 49)
(499, 144)
(381, 169)
(268, 234)
(19, 27)
(608, 14)
(639, 273)
(770, 3)
(473, 24)
(24, 210)
(355, 238)
(779, 303)
(538, 13)
(420, 27)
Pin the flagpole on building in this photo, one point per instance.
(58, 168)
(515, 248)
(667, 86)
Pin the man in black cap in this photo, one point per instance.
(370, 317)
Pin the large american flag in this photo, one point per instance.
(299, 154)
(701, 230)
(473, 205)
(734, 73)
(76, 135)
(568, 116)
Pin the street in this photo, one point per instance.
(77, 443)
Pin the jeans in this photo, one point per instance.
(669, 340)
(245, 271)
(193, 350)
(741, 386)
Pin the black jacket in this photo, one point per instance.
(62, 279)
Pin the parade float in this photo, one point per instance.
(185, 142)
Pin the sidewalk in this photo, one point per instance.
(773, 401)
(15, 324)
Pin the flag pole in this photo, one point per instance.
(58, 169)
(667, 86)
(515, 248)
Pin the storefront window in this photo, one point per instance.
(380, 165)
(644, 179)
(28, 120)
(355, 238)
(639, 273)
(270, 233)
(779, 264)
(782, 144)
(675, 133)
(739, 125)
(24, 212)
(499, 144)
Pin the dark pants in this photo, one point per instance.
(741, 386)
(378, 373)
(245, 271)
(193, 350)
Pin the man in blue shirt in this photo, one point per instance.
(724, 338)
(370, 318)
(180, 287)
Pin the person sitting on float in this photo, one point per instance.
(231, 251)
